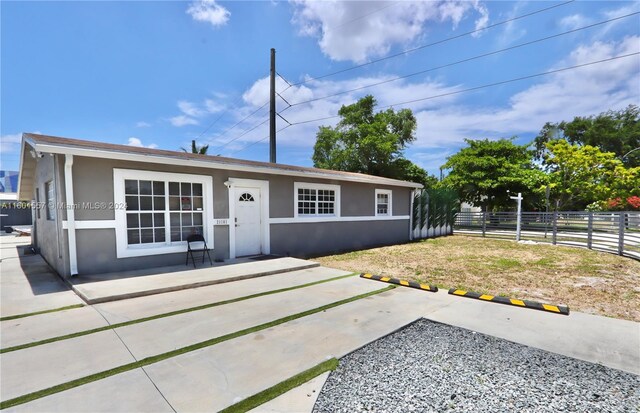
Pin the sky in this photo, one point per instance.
(161, 73)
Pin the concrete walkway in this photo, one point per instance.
(212, 378)
(28, 283)
(119, 286)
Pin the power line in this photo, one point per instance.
(242, 120)
(242, 134)
(484, 86)
(220, 117)
(434, 43)
(258, 141)
(464, 60)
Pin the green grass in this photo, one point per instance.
(169, 314)
(164, 356)
(53, 310)
(507, 263)
(281, 388)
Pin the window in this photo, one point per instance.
(160, 211)
(383, 202)
(148, 203)
(316, 200)
(50, 199)
(246, 197)
(38, 202)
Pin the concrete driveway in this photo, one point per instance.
(196, 355)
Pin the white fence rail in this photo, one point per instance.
(615, 232)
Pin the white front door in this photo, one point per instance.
(248, 224)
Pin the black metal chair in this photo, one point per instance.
(196, 243)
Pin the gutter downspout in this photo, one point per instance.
(71, 218)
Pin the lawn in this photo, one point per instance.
(587, 281)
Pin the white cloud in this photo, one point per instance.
(142, 124)
(10, 143)
(483, 20)
(133, 141)
(443, 123)
(562, 96)
(189, 108)
(574, 21)
(212, 106)
(182, 120)
(209, 11)
(344, 34)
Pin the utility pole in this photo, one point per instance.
(272, 109)
(519, 199)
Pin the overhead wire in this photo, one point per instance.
(464, 60)
(484, 86)
(433, 43)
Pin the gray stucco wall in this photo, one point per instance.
(50, 238)
(308, 240)
(93, 182)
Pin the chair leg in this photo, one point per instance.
(211, 262)
(187, 262)
(193, 260)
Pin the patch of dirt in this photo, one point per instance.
(588, 281)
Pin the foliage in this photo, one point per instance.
(202, 150)
(631, 203)
(582, 175)
(371, 143)
(486, 173)
(612, 131)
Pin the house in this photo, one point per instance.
(103, 207)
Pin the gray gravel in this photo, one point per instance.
(433, 367)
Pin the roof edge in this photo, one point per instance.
(67, 146)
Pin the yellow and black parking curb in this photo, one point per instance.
(404, 283)
(558, 309)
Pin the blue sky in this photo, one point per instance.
(162, 73)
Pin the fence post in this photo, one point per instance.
(590, 230)
(555, 227)
(484, 222)
(620, 233)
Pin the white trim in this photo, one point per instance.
(310, 220)
(124, 250)
(308, 185)
(92, 224)
(152, 158)
(389, 205)
(71, 214)
(264, 212)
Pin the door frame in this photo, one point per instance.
(265, 239)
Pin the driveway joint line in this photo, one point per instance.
(180, 351)
(164, 315)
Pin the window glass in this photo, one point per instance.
(311, 201)
(50, 199)
(147, 204)
(383, 202)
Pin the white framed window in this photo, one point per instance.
(316, 200)
(383, 202)
(38, 202)
(50, 199)
(155, 212)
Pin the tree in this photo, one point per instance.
(486, 173)
(613, 131)
(583, 175)
(371, 143)
(202, 150)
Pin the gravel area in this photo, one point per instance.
(433, 367)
